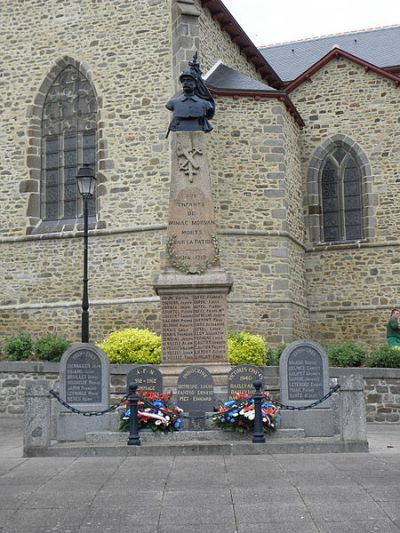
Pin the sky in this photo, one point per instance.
(269, 22)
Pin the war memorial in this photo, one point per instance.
(193, 287)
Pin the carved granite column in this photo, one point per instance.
(192, 286)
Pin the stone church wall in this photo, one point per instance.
(125, 47)
(126, 51)
(216, 45)
(350, 287)
(254, 167)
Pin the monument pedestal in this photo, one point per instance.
(192, 285)
(193, 315)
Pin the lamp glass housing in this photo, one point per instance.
(86, 182)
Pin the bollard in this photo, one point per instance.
(258, 431)
(134, 439)
(352, 409)
(37, 417)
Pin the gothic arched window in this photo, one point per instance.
(68, 141)
(341, 197)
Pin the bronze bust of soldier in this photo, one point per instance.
(195, 106)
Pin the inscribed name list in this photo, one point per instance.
(83, 378)
(194, 327)
(195, 390)
(305, 374)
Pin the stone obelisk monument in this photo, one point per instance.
(192, 286)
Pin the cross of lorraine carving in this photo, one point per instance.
(187, 162)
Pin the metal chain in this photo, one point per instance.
(309, 406)
(181, 415)
(87, 413)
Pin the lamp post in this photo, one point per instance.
(86, 185)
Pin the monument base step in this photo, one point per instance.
(117, 437)
(193, 448)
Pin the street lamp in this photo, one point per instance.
(86, 185)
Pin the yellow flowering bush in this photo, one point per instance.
(247, 349)
(132, 346)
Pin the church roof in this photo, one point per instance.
(226, 79)
(337, 52)
(380, 47)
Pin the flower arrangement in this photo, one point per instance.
(238, 414)
(154, 413)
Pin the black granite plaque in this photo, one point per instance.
(147, 377)
(241, 377)
(83, 377)
(195, 390)
(305, 376)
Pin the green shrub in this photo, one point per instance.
(50, 348)
(18, 347)
(247, 349)
(132, 346)
(385, 357)
(276, 353)
(346, 354)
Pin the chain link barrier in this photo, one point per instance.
(87, 413)
(148, 404)
(309, 406)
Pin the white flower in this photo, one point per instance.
(251, 415)
(157, 422)
(242, 412)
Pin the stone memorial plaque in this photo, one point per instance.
(195, 390)
(192, 242)
(304, 374)
(147, 377)
(241, 378)
(84, 377)
(194, 327)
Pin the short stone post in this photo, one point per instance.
(134, 439)
(352, 409)
(258, 430)
(37, 417)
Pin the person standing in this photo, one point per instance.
(393, 328)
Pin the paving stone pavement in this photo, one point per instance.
(325, 493)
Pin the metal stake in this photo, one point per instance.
(134, 439)
(258, 431)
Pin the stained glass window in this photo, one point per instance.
(68, 141)
(341, 197)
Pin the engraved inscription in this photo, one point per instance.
(305, 374)
(194, 327)
(195, 390)
(191, 231)
(83, 378)
(147, 378)
(241, 378)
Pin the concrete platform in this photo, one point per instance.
(305, 445)
(118, 437)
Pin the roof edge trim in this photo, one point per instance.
(220, 13)
(335, 53)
